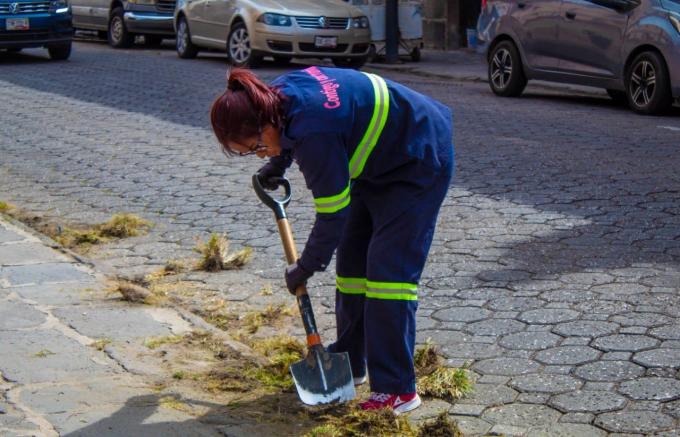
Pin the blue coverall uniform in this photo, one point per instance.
(378, 159)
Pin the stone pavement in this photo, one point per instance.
(555, 270)
(53, 381)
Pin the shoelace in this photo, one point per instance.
(379, 397)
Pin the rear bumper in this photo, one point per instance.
(43, 31)
(300, 43)
(146, 22)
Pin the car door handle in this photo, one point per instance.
(570, 15)
(521, 5)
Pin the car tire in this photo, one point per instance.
(506, 72)
(185, 48)
(648, 86)
(59, 52)
(416, 55)
(153, 40)
(118, 35)
(238, 47)
(619, 97)
(355, 63)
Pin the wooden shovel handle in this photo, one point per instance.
(304, 303)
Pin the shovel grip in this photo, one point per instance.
(276, 205)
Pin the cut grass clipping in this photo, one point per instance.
(437, 381)
(156, 342)
(234, 372)
(5, 207)
(119, 226)
(382, 423)
(101, 344)
(216, 256)
(124, 226)
(135, 293)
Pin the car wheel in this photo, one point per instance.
(59, 52)
(647, 84)
(619, 97)
(372, 53)
(506, 73)
(415, 54)
(355, 63)
(185, 48)
(119, 37)
(238, 47)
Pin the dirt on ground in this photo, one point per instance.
(237, 373)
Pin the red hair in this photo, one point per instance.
(245, 107)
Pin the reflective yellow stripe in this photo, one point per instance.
(351, 285)
(375, 127)
(391, 290)
(332, 204)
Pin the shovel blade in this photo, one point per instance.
(323, 377)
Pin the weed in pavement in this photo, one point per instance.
(215, 255)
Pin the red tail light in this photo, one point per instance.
(483, 4)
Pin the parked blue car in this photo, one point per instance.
(36, 23)
(631, 48)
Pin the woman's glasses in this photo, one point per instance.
(259, 146)
(254, 149)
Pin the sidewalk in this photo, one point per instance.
(59, 374)
(466, 66)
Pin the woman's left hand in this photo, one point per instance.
(296, 275)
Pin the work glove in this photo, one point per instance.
(268, 174)
(296, 275)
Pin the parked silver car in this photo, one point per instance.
(629, 47)
(250, 29)
(121, 20)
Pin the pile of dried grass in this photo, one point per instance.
(215, 255)
(436, 380)
(124, 226)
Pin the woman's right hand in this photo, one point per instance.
(268, 175)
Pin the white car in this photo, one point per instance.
(250, 29)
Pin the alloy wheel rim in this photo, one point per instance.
(642, 83)
(182, 37)
(501, 68)
(239, 46)
(116, 29)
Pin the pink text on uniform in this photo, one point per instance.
(329, 87)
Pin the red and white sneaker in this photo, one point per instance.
(398, 403)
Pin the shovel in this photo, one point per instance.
(321, 377)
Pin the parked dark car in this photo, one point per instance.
(629, 47)
(30, 23)
(121, 20)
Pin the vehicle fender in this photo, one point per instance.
(650, 32)
(116, 3)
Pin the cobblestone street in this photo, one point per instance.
(554, 273)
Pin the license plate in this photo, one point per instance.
(330, 42)
(17, 24)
